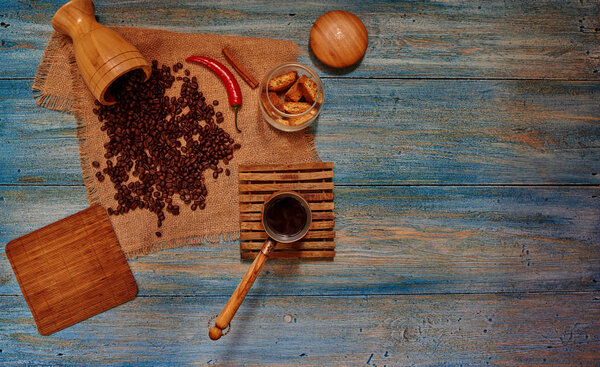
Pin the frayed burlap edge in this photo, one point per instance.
(52, 102)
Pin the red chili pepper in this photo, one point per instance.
(233, 88)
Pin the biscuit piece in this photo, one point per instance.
(283, 81)
(276, 101)
(294, 108)
(295, 121)
(295, 93)
(309, 90)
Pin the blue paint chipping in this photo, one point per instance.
(302, 355)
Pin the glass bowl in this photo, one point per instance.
(286, 121)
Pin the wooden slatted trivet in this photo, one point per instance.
(314, 181)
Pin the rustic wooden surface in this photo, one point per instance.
(467, 170)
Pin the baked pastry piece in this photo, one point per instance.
(309, 89)
(283, 81)
(276, 101)
(294, 108)
(295, 93)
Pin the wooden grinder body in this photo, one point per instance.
(102, 55)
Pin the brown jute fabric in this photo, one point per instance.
(60, 87)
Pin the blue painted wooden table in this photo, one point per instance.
(467, 153)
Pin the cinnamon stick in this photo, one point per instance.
(248, 78)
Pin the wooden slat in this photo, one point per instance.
(413, 240)
(557, 329)
(555, 39)
(253, 208)
(456, 132)
(309, 235)
(301, 186)
(302, 245)
(308, 196)
(316, 166)
(315, 216)
(323, 254)
(257, 226)
(284, 176)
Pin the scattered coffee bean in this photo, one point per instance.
(158, 234)
(156, 150)
(96, 164)
(227, 172)
(215, 102)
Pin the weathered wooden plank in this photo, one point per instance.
(495, 39)
(465, 329)
(394, 132)
(408, 240)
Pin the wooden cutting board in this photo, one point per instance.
(71, 270)
(314, 181)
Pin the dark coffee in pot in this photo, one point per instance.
(286, 216)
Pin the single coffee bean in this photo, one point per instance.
(227, 172)
(96, 164)
(158, 234)
(215, 102)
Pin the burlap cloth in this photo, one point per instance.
(60, 87)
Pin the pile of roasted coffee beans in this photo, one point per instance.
(160, 147)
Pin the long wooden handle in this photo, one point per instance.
(240, 292)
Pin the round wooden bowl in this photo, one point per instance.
(339, 39)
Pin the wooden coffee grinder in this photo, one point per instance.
(102, 55)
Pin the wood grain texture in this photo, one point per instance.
(391, 132)
(389, 240)
(71, 270)
(472, 330)
(556, 39)
(102, 54)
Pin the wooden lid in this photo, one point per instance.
(339, 39)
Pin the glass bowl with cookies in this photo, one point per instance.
(291, 96)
